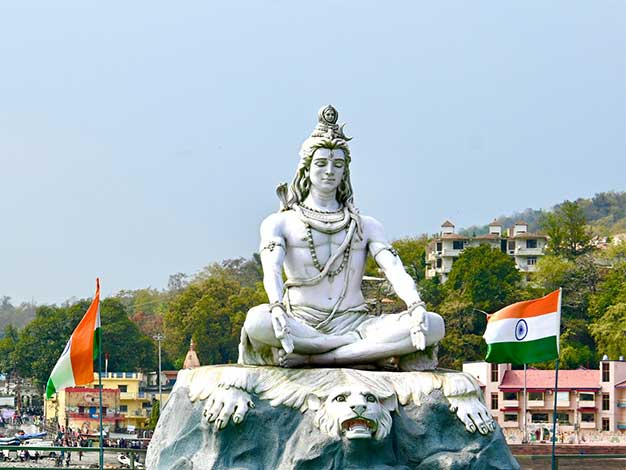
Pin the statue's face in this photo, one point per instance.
(329, 115)
(327, 169)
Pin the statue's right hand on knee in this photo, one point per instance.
(281, 329)
(419, 325)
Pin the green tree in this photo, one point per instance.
(609, 330)
(567, 230)
(154, 414)
(211, 310)
(42, 341)
(8, 344)
(486, 278)
(481, 280)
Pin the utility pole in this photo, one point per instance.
(158, 338)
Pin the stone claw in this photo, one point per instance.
(226, 404)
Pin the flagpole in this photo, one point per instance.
(524, 439)
(556, 388)
(100, 411)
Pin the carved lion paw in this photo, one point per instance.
(472, 413)
(225, 404)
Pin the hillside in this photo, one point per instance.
(18, 316)
(605, 213)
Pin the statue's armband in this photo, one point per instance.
(272, 244)
(377, 248)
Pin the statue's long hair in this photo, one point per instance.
(301, 183)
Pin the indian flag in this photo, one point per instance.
(525, 332)
(75, 366)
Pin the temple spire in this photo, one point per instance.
(191, 359)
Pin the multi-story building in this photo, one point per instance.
(125, 405)
(78, 409)
(525, 247)
(591, 403)
(135, 403)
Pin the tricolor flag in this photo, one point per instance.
(525, 332)
(75, 366)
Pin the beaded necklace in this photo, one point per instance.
(316, 262)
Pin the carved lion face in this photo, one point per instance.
(353, 412)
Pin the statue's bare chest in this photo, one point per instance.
(301, 237)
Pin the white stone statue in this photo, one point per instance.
(318, 317)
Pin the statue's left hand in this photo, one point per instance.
(226, 403)
(419, 327)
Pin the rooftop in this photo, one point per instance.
(447, 223)
(578, 379)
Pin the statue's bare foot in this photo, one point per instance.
(292, 359)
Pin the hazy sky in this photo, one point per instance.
(139, 139)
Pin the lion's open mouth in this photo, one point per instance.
(355, 424)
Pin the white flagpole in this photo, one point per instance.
(524, 438)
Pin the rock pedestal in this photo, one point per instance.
(305, 419)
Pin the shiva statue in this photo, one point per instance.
(318, 316)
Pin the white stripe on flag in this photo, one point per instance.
(508, 330)
(62, 375)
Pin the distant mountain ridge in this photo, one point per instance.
(605, 213)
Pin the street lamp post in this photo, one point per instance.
(159, 337)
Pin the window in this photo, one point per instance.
(606, 376)
(494, 372)
(123, 388)
(439, 247)
(562, 418)
(531, 243)
(606, 424)
(510, 417)
(145, 405)
(511, 245)
(123, 408)
(438, 262)
(510, 395)
(531, 260)
(606, 404)
(562, 396)
(494, 401)
(585, 396)
(81, 409)
(535, 396)
(539, 418)
(457, 244)
(588, 417)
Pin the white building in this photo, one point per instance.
(523, 246)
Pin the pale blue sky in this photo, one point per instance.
(143, 138)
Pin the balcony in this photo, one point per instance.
(134, 396)
(510, 403)
(522, 251)
(450, 252)
(536, 403)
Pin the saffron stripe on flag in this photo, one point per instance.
(539, 350)
(529, 308)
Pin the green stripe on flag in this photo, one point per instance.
(50, 389)
(97, 342)
(523, 352)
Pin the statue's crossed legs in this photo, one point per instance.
(377, 338)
